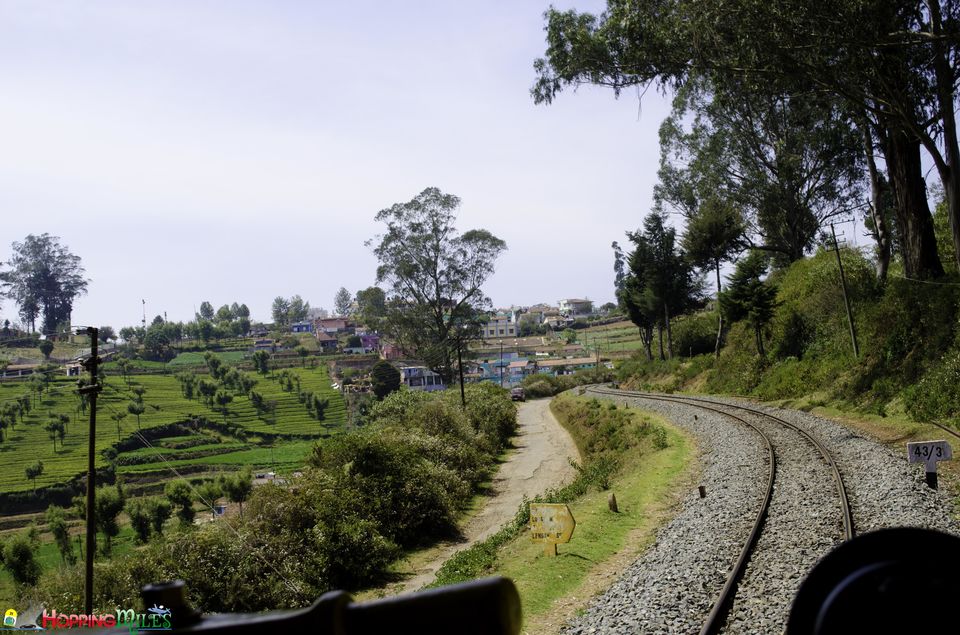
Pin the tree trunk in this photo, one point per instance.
(759, 335)
(914, 222)
(666, 320)
(880, 231)
(948, 173)
(660, 333)
(716, 350)
(646, 338)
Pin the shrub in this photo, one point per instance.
(936, 397)
(695, 334)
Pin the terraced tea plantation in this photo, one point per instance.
(173, 431)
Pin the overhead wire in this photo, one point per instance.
(209, 504)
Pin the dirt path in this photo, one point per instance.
(538, 463)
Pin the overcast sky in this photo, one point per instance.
(236, 151)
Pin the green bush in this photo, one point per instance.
(695, 334)
(936, 397)
(543, 385)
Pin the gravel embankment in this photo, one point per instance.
(671, 588)
(673, 585)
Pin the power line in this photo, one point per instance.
(208, 504)
(939, 284)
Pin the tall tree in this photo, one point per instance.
(893, 61)
(280, 310)
(57, 523)
(619, 267)
(786, 163)
(108, 504)
(713, 235)
(668, 281)
(434, 277)
(384, 379)
(33, 471)
(298, 309)
(206, 311)
(749, 297)
(342, 302)
(43, 277)
(238, 486)
(372, 306)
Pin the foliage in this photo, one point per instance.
(342, 302)
(180, 496)
(660, 282)
(748, 297)
(139, 515)
(544, 385)
(631, 432)
(372, 303)
(888, 65)
(237, 487)
(434, 276)
(44, 277)
(20, 558)
(46, 347)
(56, 520)
(109, 502)
(385, 379)
(775, 167)
(695, 334)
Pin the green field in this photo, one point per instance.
(284, 436)
(195, 358)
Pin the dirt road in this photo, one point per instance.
(538, 463)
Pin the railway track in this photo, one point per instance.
(779, 439)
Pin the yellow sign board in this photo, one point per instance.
(551, 524)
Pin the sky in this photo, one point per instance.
(237, 151)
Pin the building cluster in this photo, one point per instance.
(492, 361)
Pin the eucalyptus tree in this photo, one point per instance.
(43, 278)
(893, 63)
(433, 277)
(774, 169)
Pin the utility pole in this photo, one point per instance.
(463, 395)
(144, 303)
(91, 390)
(501, 363)
(846, 300)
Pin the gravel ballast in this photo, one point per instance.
(672, 586)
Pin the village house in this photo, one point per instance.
(370, 342)
(301, 327)
(327, 343)
(421, 378)
(390, 351)
(574, 307)
(565, 366)
(331, 326)
(499, 326)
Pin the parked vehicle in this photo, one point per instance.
(517, 394)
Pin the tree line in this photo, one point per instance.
(775, 134)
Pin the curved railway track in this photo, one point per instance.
(721, 607)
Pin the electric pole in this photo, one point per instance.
(91, 391)
(846, 300)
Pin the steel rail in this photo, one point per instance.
(718, 614)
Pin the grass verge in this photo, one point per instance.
(652, 459)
